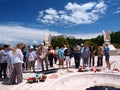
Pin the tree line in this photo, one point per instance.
(98, 41)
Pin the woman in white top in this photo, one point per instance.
(16, 60)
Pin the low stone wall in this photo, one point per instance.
(83, 81)
(118, 51)
(113, 52)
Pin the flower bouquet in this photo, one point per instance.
(37, 78)
(81, 69)
(43, 78)
(95, 69)
(31, 80)
(115, 70)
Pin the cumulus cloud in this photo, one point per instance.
(73, 13)
(15, 34)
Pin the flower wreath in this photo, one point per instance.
(95, 69)
(115, 70)
(37, 78)
(81, 69)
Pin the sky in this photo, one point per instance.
(31, 20)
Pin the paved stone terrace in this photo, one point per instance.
(62, 73)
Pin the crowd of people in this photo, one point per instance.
(15, 60)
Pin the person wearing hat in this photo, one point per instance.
(31, 57)
(42, 56)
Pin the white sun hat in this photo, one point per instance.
(31, 47)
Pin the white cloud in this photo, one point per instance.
(50, 17)
(101, 7)
(117, 11)
(72, 7)
(15, 34)
(51, 11)
(85, 36)
(74, 13)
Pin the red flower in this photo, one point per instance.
(91, 69)
(43, 78)
(36, 79)
(116, 69)
(95, 69)
(30, 80)
(80, 69)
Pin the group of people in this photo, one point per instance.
(87, 55)
(14, 60)
(11, 59)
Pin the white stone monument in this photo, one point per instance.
(107, 39)
(48, 39)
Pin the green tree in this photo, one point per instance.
(115, 37)
(98, 40)
(89, 42)
(59, 41)
(72, 42)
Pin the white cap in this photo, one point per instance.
(82, 44)
(31, 47)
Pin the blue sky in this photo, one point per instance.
(31, 20)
